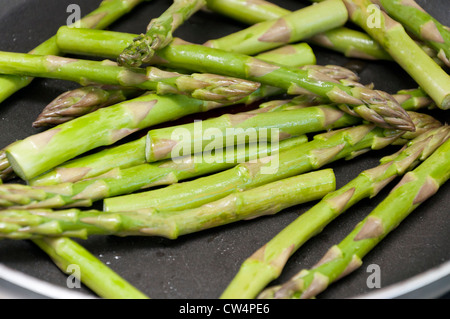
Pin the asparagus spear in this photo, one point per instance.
(324, 149)
(267, 263)
(108, 12)
(94, 274)
(293, 27)
(413, 190)
(246, 11)
(81, 101)
(124, 181)
(404, 50)
(232, 129)
(267, 199)
(351, 43)
(208, 87)
(159, 32)
(421, 24)
(372, 105)
(39, 153)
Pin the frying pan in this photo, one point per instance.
(414, 260)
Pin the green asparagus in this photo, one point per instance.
(267, 263)
(421, 24)
(413, 190)
(210, 87)
(404, 50)
(78, 102)
(372, 105)
(127, 180)
(324, 149)
(108, 12)
(264, 200)
(293, 27)
(39, 153)
(159, 32)
(233, 129)
(100, 278)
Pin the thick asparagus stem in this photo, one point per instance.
(208, 87)
(413, 190)
(267, 263)
(351, 43)
(324, 149)
(78, 102)
(404, 50)
(159, 32)
(94, 274)
(232, 129)
(293, 27)
(264, 200)
(124, 181)
(39, 153)
(421, 24)
(107, 13)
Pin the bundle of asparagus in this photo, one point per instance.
(159, 78)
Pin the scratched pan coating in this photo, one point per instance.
(200, 265)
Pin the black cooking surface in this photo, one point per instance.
(200, 266)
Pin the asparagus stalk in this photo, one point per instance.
(94, 274)
(351, 43)
(421, 24)
(245, 11)
(233, 129)
(267, 199)
(39, 153)
(413, 190)
(81, 101)
(124, 181)
(404, 50)
(267, 263)
(107, 13)
(293, 27)
(324, 149)
(209, 87)
(159, 32)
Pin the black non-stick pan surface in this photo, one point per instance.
(200, 265)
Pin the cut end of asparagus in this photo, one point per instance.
(139, 52)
